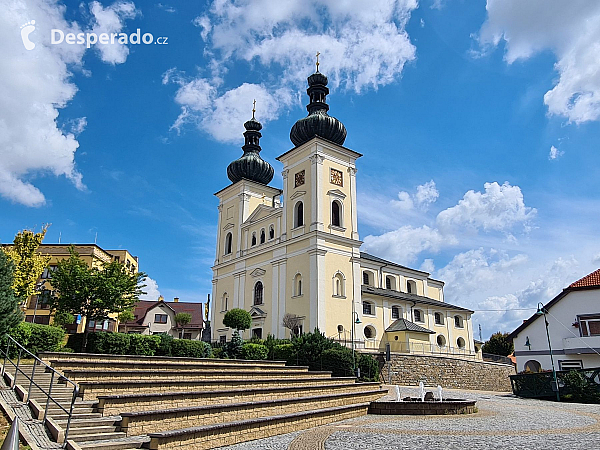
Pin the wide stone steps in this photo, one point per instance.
(144, 422)
(223, 434)
(86, 431)
(105, 421)
(91, 390)
(124, 443)
(114, 404)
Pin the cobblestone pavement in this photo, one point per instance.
(502, 422)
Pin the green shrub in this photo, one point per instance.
(283, 352)
(338, 360)
(270, 342)
(36, 338)
(233, 349)
(217, 352)
(66, 350)
(108, 343)
(75, 342)
(254, 351)
(164, 344)
(238, 319)
(308, 348)
(369, 367)
(579, 388)
(143, 345)
(190, 349)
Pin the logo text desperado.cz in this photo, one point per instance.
(89, 39)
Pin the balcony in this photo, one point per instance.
(581, 345)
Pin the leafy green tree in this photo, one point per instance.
(182, 319)
(10, 314)
(29, 264)
(62, 318)
(498, 344)
(237, 318)
(126, 316)
(94, 292)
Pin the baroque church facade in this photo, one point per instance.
(296, 251)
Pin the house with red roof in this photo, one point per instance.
(573, 328)
(155, 317)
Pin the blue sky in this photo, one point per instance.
(478, 124)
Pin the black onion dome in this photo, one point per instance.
(318, 122)
(251, 166)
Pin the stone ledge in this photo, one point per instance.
(100, 356)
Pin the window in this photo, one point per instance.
(460, 342)
(160, 318)
(47, 273)
(390, 283)
(441, 340)
(338, 284)
(257, 333)
(340, 329)
(418, 315)
(369, 332)
(532, 366)
(336, 214)
(298, 285)
(228, 239)
(253, 242)
(458, 322)
(368, 308)
(271, 232)
(589, 325)
(298, 215)
(225, 302)
(439, 318)
(568, 365)
(395, 312)
(262, 236)
(258, 293)
(411, 287)
(187, 336)
(222, 339)
(366, 278)
(92, 324)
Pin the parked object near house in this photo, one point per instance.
(573, 330)
(153, 317)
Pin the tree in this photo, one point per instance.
(62, 318)
(182, 319)
(126, 316)
(10, 314)
(498, 344)
(94, 292)
(292, 322)
(29, 264)
(237, 318)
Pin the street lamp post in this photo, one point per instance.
(541, 310)
(355, 321)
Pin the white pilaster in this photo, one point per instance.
(283, 229)
(316, 215)
(213, 309)
(352, 175)
(282, 299)
(219, 222)
(274, 298)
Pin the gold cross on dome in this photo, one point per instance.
(318, 61)
(253, 108)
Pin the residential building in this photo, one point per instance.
(39, 312)
(296, 250)
(573, 330)
(154, 317)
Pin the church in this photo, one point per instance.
(296, 251)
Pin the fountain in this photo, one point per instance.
(424, 404)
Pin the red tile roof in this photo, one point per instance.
(194, 309)
(591, 280)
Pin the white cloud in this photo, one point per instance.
(555, 153)
(111, 20)
(596, 258)
(499, 208)
(406, 243)
(404, 202)
(427, 265)
(427, 194)
(360, 47)
(151, 289)
(571, 30)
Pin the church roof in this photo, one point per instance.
(377, 259)
(407, 325)
(411, 298)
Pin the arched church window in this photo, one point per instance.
(418, 315)
(411, 287)
(271, 232)
(298, 284)
(390, 282)
(336, 213)
(366, 278)
(439, 318)
(395, 312)
(228, 239)
(299, 214)
(258, 293)
(224, 302)
(338, 284)
(253, 239)
(262, 236)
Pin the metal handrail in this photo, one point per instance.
(32, 383)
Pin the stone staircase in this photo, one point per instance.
(157, 403)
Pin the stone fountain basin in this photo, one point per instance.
(414, 406)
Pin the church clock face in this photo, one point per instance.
(299, 178)
(336, 177)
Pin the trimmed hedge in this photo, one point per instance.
(338, 360)
(254, 351)
(108, 343)
(190, 349)
(36, 338)
(283, 352)
(143, 345)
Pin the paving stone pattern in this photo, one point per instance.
(503, 421)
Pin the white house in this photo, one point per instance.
(574, 328)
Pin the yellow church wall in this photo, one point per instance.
(434, 293)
